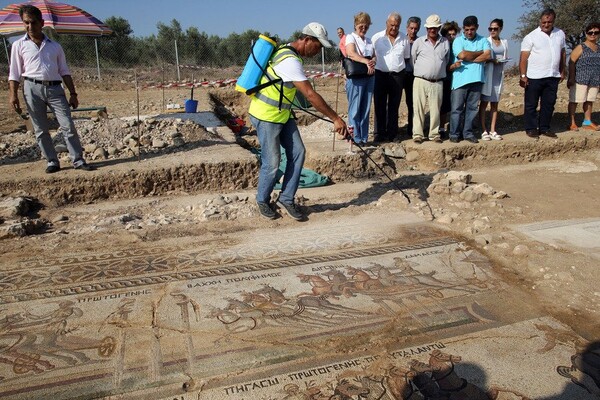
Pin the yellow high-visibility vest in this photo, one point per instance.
(269, 104)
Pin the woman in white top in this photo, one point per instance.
(494, 77)
(359, 90)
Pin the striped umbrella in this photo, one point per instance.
(62, 18)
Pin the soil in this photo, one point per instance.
(544, 180)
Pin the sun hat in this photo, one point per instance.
(433, 21)
(318, 31)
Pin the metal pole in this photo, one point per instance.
(6, 49)
(177, 61)
(323, 59)
(137, 98)
(97, 57)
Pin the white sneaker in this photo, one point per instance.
(485, 136)
(495, 136)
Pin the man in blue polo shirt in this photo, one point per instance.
(472, 51)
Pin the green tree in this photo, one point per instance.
(165, 40)
(118, 48)
(571, 16)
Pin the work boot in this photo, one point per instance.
(292, 210)
(265, 210)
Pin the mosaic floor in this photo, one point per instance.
(396, 311)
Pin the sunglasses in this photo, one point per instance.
(491, 29)
(593, 33)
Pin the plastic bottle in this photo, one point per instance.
(256, 64)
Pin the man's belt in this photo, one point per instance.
(45, 83)
(430, 80)
(390, 72)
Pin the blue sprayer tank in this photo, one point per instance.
(253, 71)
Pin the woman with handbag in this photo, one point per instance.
(360, 71)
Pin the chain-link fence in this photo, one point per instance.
(166, 60)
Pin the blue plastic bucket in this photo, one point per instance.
(191, 106)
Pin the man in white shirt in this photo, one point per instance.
(542, 68)
(391, 50)
(41, 63)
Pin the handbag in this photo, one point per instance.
(354, 69)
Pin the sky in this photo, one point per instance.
(284, 17)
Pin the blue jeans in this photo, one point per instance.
(272, 137)
(465, 103)
(360, 92)
(541, 91)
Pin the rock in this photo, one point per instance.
(90, 148)
(125, 218)
(395, 151)
(520, 250)
(484, 189)
(500, 195)
(480, 226)
(445, 219)
(100, 153)
(470, 196)
(459, 176)
(412, 156)
(482, 240)
(129, 137)
(158, 143)
(458, 187)
(4, 146)
(178, 141)
(61, 148)
(219, 201)
(60, 218)
(23, 228)
(111, 150)
(17, 206)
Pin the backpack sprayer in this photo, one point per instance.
(255, 68)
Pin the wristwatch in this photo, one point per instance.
(523, 76)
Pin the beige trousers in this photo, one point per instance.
(423, 92)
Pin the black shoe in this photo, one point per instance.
(50, 169)
(85, 167)
(532, 134)
(549, 134)
(266, 211)
(472, 139)
(418, 140)
(454, 139)
(292, 210)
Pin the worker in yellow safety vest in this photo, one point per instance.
(270, 113)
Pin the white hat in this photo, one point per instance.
(433, 21)
(318, 31)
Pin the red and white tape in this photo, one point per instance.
(225, 82)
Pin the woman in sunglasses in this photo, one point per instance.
(494, 77)
(584, 77)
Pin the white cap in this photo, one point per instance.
(433, 21)
(318, 31)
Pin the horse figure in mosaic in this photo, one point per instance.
(316, 304)
(323, 287)
(362, 280)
